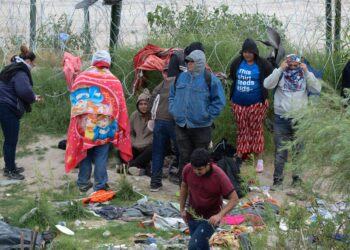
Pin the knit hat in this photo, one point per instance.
(144, 96)
(101, 59)
(250, 46)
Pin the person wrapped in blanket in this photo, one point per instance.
(99, 117)
(292, 83)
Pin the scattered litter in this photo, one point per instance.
(64, 229)
(166, 223)
(8, 195)
(78, 223)
(4, 183)
(283, 225)
(28, 215)
(106, 233)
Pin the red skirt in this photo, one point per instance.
(250, 127)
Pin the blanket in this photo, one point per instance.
(98, 116)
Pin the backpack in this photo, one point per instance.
(232, 170)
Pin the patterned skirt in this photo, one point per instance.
(250, 127)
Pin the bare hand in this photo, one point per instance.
(284, 65)
(184, 216)
(304, 67)
(38, 98)
(215, 219)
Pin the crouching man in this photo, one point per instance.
(206, 185)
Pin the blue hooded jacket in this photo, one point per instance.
(192, 104)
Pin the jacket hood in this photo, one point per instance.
(198, 57)
(144, 96)
(250, 46)
(193, 46)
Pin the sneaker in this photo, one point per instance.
(17, 169)
(296, 181)
(155, 188)
(134, 171)
(14, 175)
(260, 166)
(277, 183)
(85, 188)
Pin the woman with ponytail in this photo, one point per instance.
(16, 96)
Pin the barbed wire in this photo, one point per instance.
(303, 21)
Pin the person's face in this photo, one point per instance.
(200, 171)
(293, 65)
(31, 63)
(248, 56)
(190, 66)
(143, 105)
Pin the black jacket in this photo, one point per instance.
(265, 68)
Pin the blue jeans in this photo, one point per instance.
(283, 132)
(99, 155)
(10, 129)
(163, 133)
(200, 232)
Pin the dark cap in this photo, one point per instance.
(250, 46)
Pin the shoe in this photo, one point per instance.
(277, 183)
(134, 171)
(17, 169)
(259, 166)
(14, 175)
(85, 188)
(296, 181)
(155, 188)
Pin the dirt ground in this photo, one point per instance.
(44, 169)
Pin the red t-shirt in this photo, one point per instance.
(206, 192)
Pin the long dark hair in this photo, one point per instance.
(25, 54)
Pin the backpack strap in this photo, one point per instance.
(207, 77)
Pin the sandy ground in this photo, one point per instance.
(44, 169)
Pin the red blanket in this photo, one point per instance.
(98, 116)
(150, 57)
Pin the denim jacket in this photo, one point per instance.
(191, 104)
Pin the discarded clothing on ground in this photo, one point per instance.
(99, 196)
(137, 211)
(10, 237)
(109, 212)
(166, 223)
(164, 209)
(233, 238)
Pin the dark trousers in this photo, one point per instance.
(10, 129)
(141, 157)
(283, 133)
(188, 139)
(200, 231)
(163, 135)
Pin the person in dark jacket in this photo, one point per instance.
(249, 100)
(16, 96)
(346, 80)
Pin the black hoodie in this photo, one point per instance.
(265, 66)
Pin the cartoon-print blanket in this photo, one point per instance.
(98, 116)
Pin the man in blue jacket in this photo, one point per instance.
(194, 102)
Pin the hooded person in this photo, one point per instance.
(141, 136)
(249, 100)
(99, 118)
(194, 106)
(177, 59)
(292, 83)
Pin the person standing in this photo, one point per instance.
(99, 117)
(194, 103)
(204, 185)
(249, 100)
(292, 82)
(16, 97)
